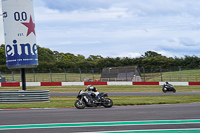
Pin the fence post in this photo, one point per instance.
(109, 73)
(65, 75)
(50, 75)
(33, 75)
(93, 73)
(143, 72)
(80, 74)
(12, 76)
(161, 72)
(23, 78)
(126, 75)
(180, 72)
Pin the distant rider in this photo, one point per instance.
(167, 84)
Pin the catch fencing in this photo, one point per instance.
(173, 74)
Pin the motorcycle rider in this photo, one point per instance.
(168, 87)
(95, 92)
(167, 84)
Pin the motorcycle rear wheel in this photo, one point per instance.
(108, 104)
(79, 104)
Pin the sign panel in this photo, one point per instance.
(20, 36)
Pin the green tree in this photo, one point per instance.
(151, 54)
(45, 54)
(2, 55)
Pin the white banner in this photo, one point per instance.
(20, 36)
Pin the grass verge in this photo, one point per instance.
(105, 88)
(68, 101)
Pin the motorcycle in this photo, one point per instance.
(88, 99)
(168, 87)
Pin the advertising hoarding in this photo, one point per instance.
(20, 36)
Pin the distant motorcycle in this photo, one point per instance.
(168, 87)
(88, 99)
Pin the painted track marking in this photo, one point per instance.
(92, 124)
(195, 130)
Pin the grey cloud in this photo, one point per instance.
(71, 5)
(180, 45)
(164, 7)
(135, 7)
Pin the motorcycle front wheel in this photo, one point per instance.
(108, 103)
(79, 104)
(164, 90)
(174, 90)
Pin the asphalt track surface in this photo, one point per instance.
(132, 93)
(164, 118)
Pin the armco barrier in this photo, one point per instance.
(145, 83)
(24, 96)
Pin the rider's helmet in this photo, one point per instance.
(166, 82)
(90, 87)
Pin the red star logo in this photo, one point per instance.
(30, 25)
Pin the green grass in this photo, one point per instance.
(105, 88)
(55, 102)
(147, 100)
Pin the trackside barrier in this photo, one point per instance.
(24, 96)
(72, 83)
(18, 84)
(120, 83)
(175, 83)
(95, 83)
(145, 83)
(51, 84)
(194, 83)
(32, 83)
(10, 84)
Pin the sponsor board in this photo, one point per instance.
(19, 32)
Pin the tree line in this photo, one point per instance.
(58, 61)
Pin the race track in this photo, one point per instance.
(182, 118)
(133, 93)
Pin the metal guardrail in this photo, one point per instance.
(24, 96)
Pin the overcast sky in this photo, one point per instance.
(118, 28)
